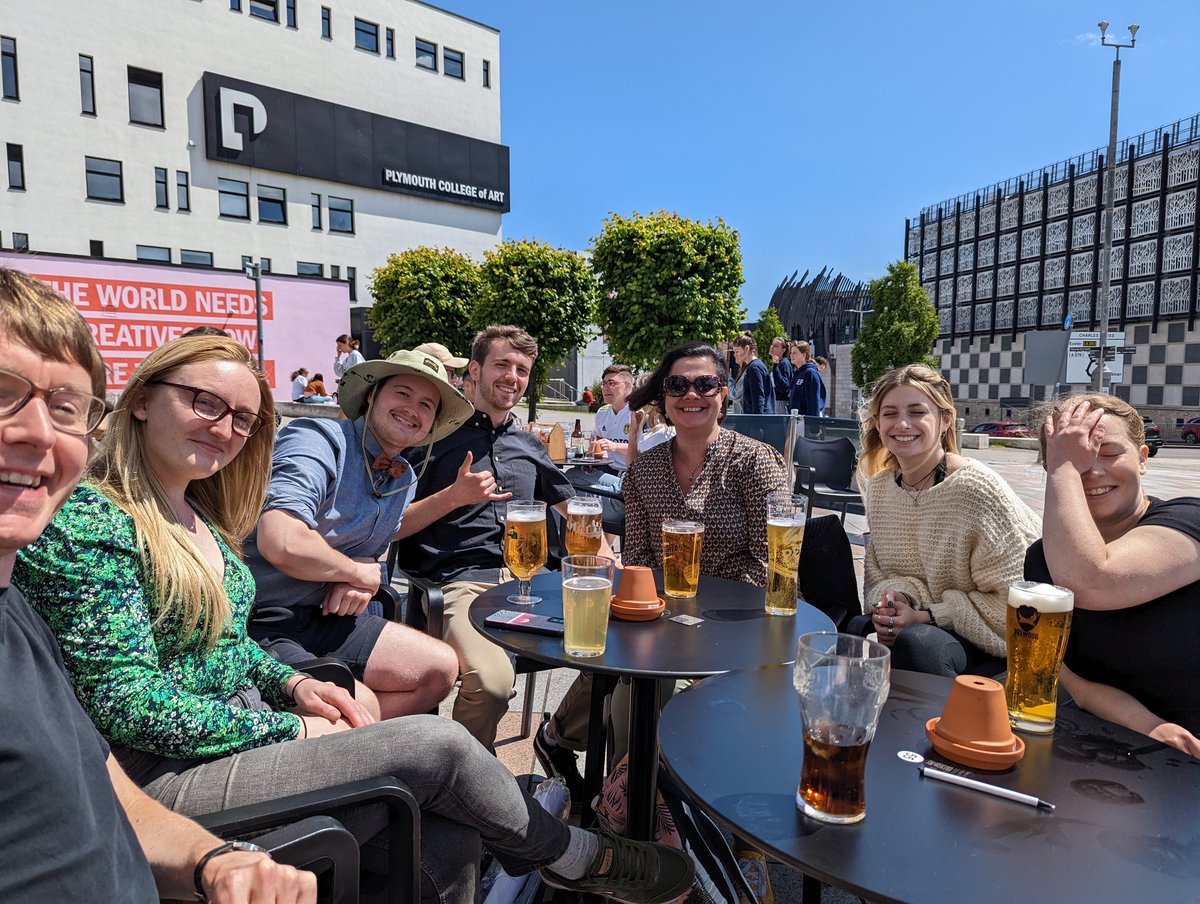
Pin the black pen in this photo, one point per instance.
(950, 778)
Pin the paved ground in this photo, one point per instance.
(1175, 471)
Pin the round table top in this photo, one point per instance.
(1126, 824)
(735, 632)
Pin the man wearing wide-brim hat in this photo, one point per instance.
(337, 493)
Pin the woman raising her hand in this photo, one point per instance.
(1133, 563)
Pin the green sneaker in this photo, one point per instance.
(635, 872)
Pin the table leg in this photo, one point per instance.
(597, 744)
(642, 783)
(810, 889)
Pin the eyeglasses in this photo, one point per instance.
(677, 386)
(613, 384)
(77, 413)
(212, 407)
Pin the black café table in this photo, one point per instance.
(1126, 825)
(736, 634)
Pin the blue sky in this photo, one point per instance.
(812, 129)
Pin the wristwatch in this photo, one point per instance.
(201, 894)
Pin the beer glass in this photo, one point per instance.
(842, 680)
(585, 525)
(525, 546)
(587, 590)
(1038, 622)
(682, 542)
(785, 535)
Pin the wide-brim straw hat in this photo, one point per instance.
(442, 353)
(357, 383)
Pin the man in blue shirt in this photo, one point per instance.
(758, 395)
(781, 374)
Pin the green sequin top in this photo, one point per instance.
(142, 684)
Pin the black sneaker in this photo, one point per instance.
(559, 761)
(635, 872)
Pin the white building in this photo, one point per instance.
(313, 137)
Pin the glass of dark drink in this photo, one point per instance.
(842, 681)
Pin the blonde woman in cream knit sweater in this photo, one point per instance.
(948, 535)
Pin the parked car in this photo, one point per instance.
(1190, 431)
(1001, 428)
(1153, 435)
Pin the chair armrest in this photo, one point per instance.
(404, 826)
(389, 601)
(329, 668)
(428, 615)
(321, 842)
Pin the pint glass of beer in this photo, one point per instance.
(587, 590)
(585, 525)
(842, 680)
(785, 535)
(1039, 621)
(682, 542)
(525, 546)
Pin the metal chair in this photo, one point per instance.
(776, 430)
(832, 463)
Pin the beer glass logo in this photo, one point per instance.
(1028, 618)
(512, 534)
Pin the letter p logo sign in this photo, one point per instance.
(228, 98)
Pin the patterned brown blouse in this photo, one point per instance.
(729, 498)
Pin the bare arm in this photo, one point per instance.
(174, 845)
(1141, 565)
(1117, 706)
(469, 488)
(300, 552)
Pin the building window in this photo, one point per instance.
(160, 188)
(87, 86)
(265, 9)
(487, 74)
(316, 211)
(154, 253)
(366, 35)
(196, 258)
(291, 13)
(96, 248)
(183, 195)
(145, 97)
(264, 265)
(8, 69)
(272, 205)
(341, 214)
(352, 276)
(427, 55)
(16, 167)
(20, 241)
(234, 198)
(389, 35)
(335, 272)
(104, 179)
(452, 63)
(247, 261)
(306, 268)
(326, 22)
(235, 5)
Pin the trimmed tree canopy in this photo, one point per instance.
(424, 295)
(901, 329)
(769, 327)
(666, 280)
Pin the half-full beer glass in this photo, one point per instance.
(525, 546)
(682, 542)
(585, 525)
(785, 536)
(587, 590)
(1039, 621)
(842, 680)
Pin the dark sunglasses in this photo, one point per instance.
(677, 386)
(212, 407)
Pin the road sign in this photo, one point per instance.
(1084, 348)
(1127, 350)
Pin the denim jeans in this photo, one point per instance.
(467, 798)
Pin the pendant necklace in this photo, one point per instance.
(913, 490)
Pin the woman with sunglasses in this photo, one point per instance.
(141, 581)
(706, 473)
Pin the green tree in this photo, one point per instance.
(424, 295)
(769, 326)
(549, 292)
(666, 280)
(901, 329)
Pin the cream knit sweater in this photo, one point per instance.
(954, 550)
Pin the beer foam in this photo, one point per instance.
(785, 522)
(526, 517)
(583, 506)
(682, 527)
(1043, 597)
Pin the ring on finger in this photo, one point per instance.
(891, 621)
(891, 632)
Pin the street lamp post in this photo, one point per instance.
(254, 272)
(1099, 375)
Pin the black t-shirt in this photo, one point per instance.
(1151, 651)
(467, 543)
(63, 834)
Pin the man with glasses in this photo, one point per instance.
(338, 491)
(612, 429)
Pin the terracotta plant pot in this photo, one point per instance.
(597, 449)
(636, 587)
(974, 727)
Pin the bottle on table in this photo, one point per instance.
(577, 448)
